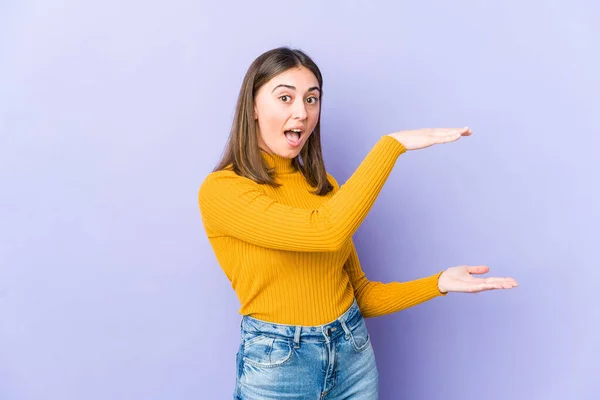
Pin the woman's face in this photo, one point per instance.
(287, 110)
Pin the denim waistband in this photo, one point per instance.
(327, 332)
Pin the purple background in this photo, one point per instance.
(112, 113)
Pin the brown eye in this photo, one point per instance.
(313, 99)
(285, 96)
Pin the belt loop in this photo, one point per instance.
(297, 337)
(345, 328)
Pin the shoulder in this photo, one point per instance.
(221, 176)
(222, 182)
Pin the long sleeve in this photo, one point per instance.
(238, 207)
(376, 298)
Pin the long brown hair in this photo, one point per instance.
(243, 154)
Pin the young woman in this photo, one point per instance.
(281, 228)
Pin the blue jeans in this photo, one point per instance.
(331, 361)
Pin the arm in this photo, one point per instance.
(376, 298)
(238, 207)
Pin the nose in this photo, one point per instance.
(300, 110)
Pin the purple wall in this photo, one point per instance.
(112, 113)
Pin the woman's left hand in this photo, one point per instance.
(459, 279)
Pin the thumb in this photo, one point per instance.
(478, 269)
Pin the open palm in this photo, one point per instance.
(422, 138)
(460, 279)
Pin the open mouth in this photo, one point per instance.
(293, 137)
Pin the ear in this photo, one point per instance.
(255, 113)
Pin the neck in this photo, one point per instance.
(282, 165)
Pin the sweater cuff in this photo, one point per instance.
(394, 144)
(436, 282)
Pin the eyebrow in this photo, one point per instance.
(294, 88)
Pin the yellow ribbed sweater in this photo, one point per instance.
(289, 254)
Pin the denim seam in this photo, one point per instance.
(363, 347)
(271, 365)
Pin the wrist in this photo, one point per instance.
(440, 285)
(395, 135)
(398, 137)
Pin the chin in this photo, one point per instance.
(291, 153)
(288, 153)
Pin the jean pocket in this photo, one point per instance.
(266, 351)
(359, 336)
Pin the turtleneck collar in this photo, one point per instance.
(282, 165)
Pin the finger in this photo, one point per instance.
(455, 131)
(497, 285)
(478, 269)
(466, 132)
(484, 287)
(448, 137)
(480, 286)
(500, 280)
(447, 132)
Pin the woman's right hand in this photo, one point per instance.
(421, 138)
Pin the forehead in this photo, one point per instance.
(301, 77)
